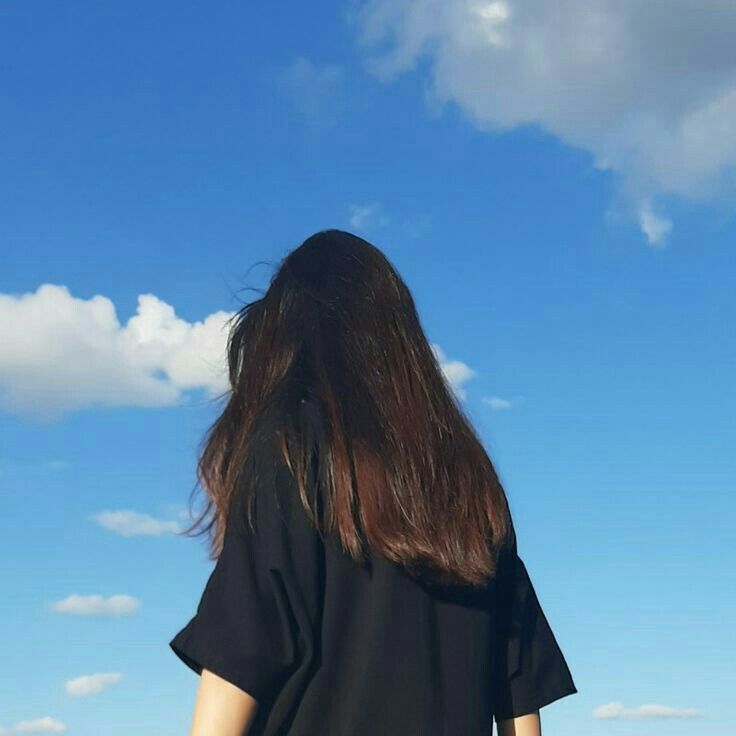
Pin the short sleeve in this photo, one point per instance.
(530, 670)
(256, 622)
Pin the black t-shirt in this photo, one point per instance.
(328, 648)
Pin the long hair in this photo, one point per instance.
(401, 471)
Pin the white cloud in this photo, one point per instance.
(496, 403)
(456, 372)
(129, 523)
(40, 725)
(367, 216)
(91, 684)
(62, 353)
(649, 89)
(647, 711)
(94, 605)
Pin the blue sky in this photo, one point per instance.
(560, 204)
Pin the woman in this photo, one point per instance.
(367, 580)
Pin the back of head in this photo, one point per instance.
(335, 352)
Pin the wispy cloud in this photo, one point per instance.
(59, 464)
(40, 725)
(91, 684)
(62, 353)
(604, 77)
(656, 228)
(643, 712)
(97, 605)
(456, 372)
(129, 523)
(496, 403)
(313, 89)
(367, 216)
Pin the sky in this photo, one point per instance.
(554, 182)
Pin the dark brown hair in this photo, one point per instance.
(401, 470)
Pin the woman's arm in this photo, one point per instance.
(221, 709)
(527, 725)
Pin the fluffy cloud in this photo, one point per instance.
(95, 605)
(133, 524)
(647, 711)
(649, 89)
(40, 725)
(62, 353)
(90, 684)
